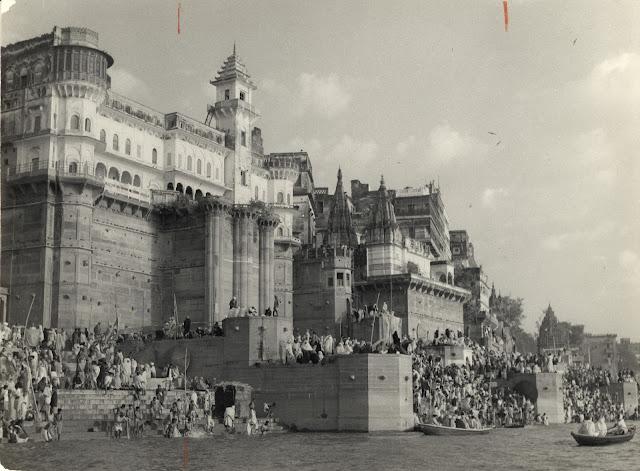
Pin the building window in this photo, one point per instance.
(169, 159)
(75, 122)
(348, 279)
(330, 281)
(127, 147)
(73, 167)
(209, 170)
(87, 125)
(189, 163)
(154, 156)
(256, 196)
(116, 145)
(199, 167)
(280, 199)
(136, 180)
(103, 135)
(243, 177)
(280, 232)
(340, 277)
(36, 124)
(226, 94)
(242, 96)
(243, 138)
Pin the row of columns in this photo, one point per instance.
(245, 221)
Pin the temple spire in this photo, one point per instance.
(234, 48)
(340, 225)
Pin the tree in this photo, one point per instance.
(508, 310)
(525, 343)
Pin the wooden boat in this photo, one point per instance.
(519, 425)
(587, 440)
(429, 429)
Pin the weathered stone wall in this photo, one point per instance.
(544, 389)
(625, 394)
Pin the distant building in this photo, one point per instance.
(601, 351)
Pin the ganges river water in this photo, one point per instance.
(533, 448)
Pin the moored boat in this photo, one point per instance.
(429, 429)
(588, 440)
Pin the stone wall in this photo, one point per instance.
(545, 390)
(624, 393)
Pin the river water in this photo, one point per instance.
(533, 448)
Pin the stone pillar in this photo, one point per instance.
(237, 279)
(213, 264)
(243, 300)
(262, 248)
(271, 267)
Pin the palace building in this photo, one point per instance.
(113, 209)
(109, 205)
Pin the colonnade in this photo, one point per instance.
(253, 239)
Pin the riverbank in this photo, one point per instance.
(535, 448)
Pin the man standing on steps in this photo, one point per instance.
(57, 423)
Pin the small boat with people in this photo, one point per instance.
(609, 439)
(431, 429)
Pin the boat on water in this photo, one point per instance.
(429, 429)
(588, 440)
(519, 425)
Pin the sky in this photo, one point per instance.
(533, 134)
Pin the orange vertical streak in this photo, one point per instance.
(505, 8)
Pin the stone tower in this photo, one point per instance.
(235, 114)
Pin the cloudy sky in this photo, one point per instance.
(534, 133)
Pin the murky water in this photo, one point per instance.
(534, 448)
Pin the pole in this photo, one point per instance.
(26, 322)
(185, 371)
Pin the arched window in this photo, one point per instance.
(75, 122)
(280, 197)
(114, 174)
(209, 170)
(179, 187)
(137, 181)
(103, 135)
(199, 167)
(127, 147)
(101, 170)
(443, 278)
(116, 144)
(450, 278)
(154, 156)
(189, 191)
(73, 167)
(126, 178)
(189, 163)
(87, 125)
(280, 231)
(256, 194)
(198, 194)
(169, 186)
(288, 198)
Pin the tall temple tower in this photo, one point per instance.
(235, 114)
(340, 230)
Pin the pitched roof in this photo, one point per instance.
(233, 69)
(340, 225)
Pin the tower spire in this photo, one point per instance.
(234, 48)
(340, 224)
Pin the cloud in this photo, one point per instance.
(323, 95)
(128, 84)
(630, 264)
(350, 153)
(616, 82)
(561, 241)
(6, 5)
(447, 144)
(491, 196)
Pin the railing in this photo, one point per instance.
(288, 239)
(57, 168)
(130, 191)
